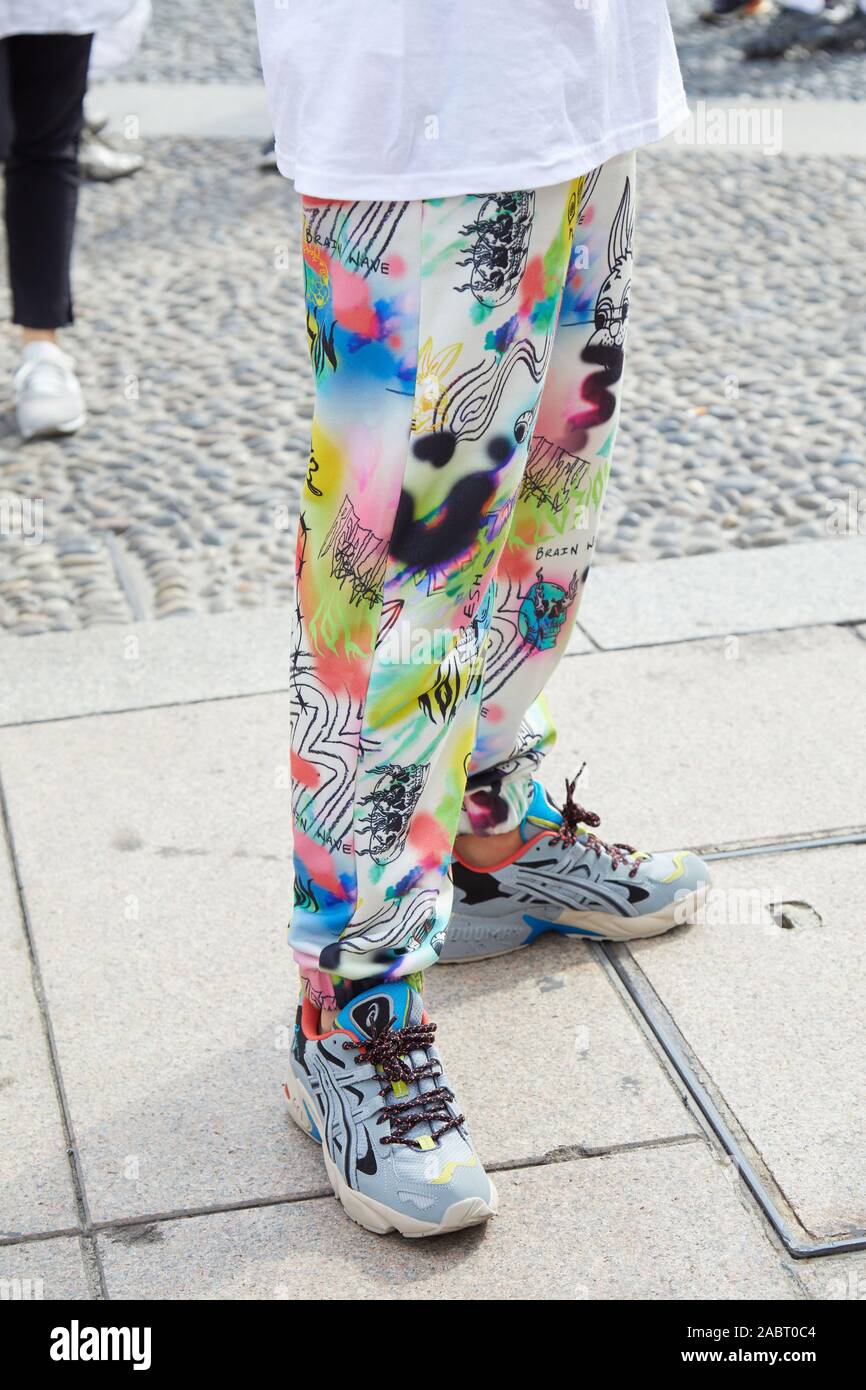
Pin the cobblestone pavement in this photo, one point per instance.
(189, 42)
(713, 65)
(743, 410)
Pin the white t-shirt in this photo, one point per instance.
(428, 98)
(60, 16)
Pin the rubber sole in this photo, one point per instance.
(366, 1211)
(591, 926)
(56, 431)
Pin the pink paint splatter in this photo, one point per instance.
(352, 306)
(532, 285)
(304, 771)
(427, 832)
(318, 864)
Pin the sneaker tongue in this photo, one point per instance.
(380, 1009)
(541, 815)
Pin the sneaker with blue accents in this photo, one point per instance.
(373, 1092)
(565, 879)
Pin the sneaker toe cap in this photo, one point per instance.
(681, 870)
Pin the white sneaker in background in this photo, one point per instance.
(102, 163)
(48, 398)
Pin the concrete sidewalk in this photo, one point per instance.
(238, 110)
(143, 885)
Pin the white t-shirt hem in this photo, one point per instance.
(323, 183)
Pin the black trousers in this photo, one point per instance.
(46, 76)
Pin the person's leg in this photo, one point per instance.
(430, 329)
(521, 866)
(362, 328)
(546, 558)
(426, 381)
(47, 82)
(47, 79)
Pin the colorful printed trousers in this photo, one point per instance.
(468, 355)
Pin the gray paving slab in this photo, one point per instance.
(837, 1279)
(155, 862)
(64, 674)
(154, 849)
(96, 670)
(775, 1015)
(600, 1086)
(729, 592)
(720, 741)
(766, 125)
(231, 110)
(228, 110)
(648, 1224)
(58, 675)
(43, 1269)
(35, 1183)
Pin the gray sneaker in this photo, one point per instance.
(565, 879)
(374, 1094)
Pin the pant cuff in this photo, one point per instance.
(332, 992)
